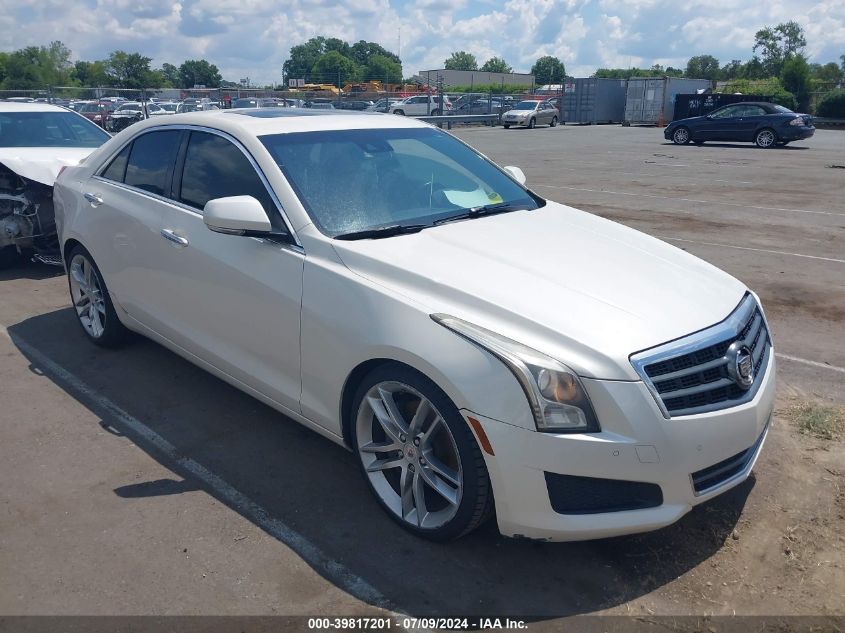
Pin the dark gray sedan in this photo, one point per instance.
(766, 124)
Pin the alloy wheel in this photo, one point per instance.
(681, 136)
(409, 454)
(87, 295)
(766, 138)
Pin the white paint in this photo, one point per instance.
(812, 363)
(748, 248)
(717, 202)
(339, 574)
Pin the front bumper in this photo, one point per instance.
(636, 444)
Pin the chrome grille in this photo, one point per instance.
(692, 375)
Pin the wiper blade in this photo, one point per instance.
(477, 212)
(382, 231)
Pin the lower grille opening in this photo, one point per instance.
(712, 476)
(570, 494)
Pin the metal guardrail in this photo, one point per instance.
(821, 121)
(491, 119)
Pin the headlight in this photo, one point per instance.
(557, 398)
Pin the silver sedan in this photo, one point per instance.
(531, 113)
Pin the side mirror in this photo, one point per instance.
(237, 215)
(516, 173)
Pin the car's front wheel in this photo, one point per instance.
(506, 126)
(435, 112)
(91, 301)
(418, 455)
(681, 136)
(765, 138)
(554, 122)
(531, 123)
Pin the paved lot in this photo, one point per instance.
(135, 483)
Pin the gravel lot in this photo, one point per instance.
(135, 483)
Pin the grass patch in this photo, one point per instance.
(817, 420)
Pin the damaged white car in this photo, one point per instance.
(36, 141)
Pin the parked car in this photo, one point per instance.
(482, 105)
(422, 307)
(196, 106)
(97, 111)
(766, 124)
(320, 105)
(258, 102)
(169, 107)
(382, 105)
(531, 113)
(36, 141)
(421, 105)
(352, 105)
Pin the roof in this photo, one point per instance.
(17, 106)
(260, 122)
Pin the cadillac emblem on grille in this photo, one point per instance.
(741, 364)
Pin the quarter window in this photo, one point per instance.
(117, 169)
(216, 168)
(151, 161)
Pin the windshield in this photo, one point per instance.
(49, 129)
(352, 180)
(525, 105)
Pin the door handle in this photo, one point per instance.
(95, 199)
(172, 237)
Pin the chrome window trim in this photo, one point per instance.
(712, 335)
(198, 128)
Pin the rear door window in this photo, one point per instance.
(150, 165)
(117, 169)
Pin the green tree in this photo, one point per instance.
(170, 74)
(37, 67)
(198, 72)
(828, 73)
(302, 57)
(335, 68)
(461, 60)
(362, 52)
(496, 65)
(753, 69)
(795, 78)
(548, 70)
(832, 105)
(383, 68)
(128, 70)
(703, 67)
(90, 74)
(778, 43)
(731, 70)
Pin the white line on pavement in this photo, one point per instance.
(812, 363)
(748, 248)
(715, 202)
(340, 574)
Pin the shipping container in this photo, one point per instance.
(698, 105)
(651, 101)
(593, 100)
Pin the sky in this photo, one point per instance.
(251, 38)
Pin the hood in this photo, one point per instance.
(689, 120)
(582, 289)
(41, 164)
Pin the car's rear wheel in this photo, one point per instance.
(418, 455)
(91, 301)
(435, 112)
(506, 126)
(531, 123)
(681, 136)
(399, 112)
(765, 138)
(554, 122)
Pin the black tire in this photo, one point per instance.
(531, 123)
(114, 333)
(765, 138)
(506, 126)
(476, 501)
(554, 122)
(435, 112)
(681, 136)
(9, 256)
(399, 112)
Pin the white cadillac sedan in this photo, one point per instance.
(482, 351)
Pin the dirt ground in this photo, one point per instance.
(135, 483)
